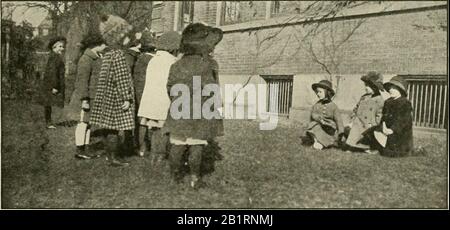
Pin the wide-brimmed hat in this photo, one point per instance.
(200, 38)
(169, 41)
(113, 28)
(55, 40)
(325, 84)
(399, 83)
(374, 79)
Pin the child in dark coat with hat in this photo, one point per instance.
(326, 124)
(394, 136)
(53, 85)
(367, 112)
(191, 135)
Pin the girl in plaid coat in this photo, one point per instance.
(113, 107)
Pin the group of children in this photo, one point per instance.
(378, 125)
(122, 94)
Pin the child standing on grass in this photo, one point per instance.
(189, 135)
(326, 125)
(88, 70)
(393, 137)
(147, 53)
(367, 112)
(53, 85)
(113, 106)
(155, 101)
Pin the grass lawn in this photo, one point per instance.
(260, 169)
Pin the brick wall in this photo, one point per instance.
(397, 48)
(163, 17)
(205, 11)
(390, 44)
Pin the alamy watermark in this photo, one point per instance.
(215, 108)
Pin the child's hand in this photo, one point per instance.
(386, 130)
(126, 105)
(54, 91)
(85, 105)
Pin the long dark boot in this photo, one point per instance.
(176, 162)
(195, 161)
(113, 148)
(81, 152)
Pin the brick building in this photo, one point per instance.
(270, 42)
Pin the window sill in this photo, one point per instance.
(257, 24)
(278, 21)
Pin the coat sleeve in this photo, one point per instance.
(61, 73)
(122, 78)
(172, 80)
(403, 117)
(379, 110)
(355, 110)
(84, 71)
(51, 72)
(338, 118)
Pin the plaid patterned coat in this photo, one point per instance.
(114, 87)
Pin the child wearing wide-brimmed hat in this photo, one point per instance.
(367, 112)
(326, 124)
(191, 136)
(393, 137)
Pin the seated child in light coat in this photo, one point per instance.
(367, 112)
(326, 124)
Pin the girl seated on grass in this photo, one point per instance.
(367, 112)
(393, 137)
(326, 124)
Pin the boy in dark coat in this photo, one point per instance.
(53, 85)
(394, 136)
(189, 134)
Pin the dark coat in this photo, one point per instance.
(397, 114)
(131, 57)
(139, 74)
(53, 79)
(88, 70)
(114, 87)
(182, 72)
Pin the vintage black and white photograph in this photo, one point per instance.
(224, 105)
